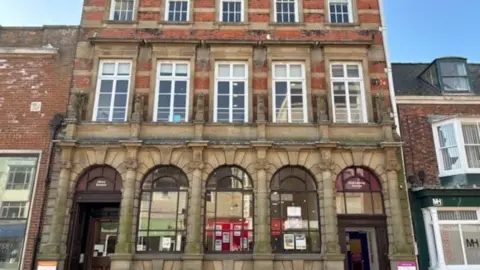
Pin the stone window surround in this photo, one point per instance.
(299, 13)
(353, 13)
(218, 12)
(108, 12)
(189, 12)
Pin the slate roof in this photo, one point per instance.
(408, 83)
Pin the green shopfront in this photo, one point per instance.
(447, 227)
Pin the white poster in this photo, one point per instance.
(288, 241)
(166, 241)
(226, 238)
(218, 245)
(294, 223)
(294, 211)
(300, 241)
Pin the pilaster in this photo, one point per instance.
(438, 239)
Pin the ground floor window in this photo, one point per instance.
(459, 233)
(15, 206)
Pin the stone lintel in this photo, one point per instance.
(131, 143)
(197, 143)
(121, 257)
(326, 145)
(391, 144)
(66, 143)
(260, 144)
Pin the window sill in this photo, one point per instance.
(242, 24)
(158, 256)
(176, 23)
(120, 22)
(459, 93)
(229, 256)
(299, 256)
(293, 24)
(342, 25)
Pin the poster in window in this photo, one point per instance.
(288, 241)
(407, 266)
(236, 233)
(218, 245)
(294, 223)
(226, 237)
(218, 230)
(294, 211)
(166, 242)
(300, 241)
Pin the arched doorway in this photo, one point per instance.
(362, 225)
(94, 221)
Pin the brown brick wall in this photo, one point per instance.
(25, 78)
(419, 148)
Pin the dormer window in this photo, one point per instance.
(448, 74)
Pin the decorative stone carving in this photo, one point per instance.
(260, 108)
(77, 106)
(200, 108)
(203, 56)
(137, 115)
(263, 164)
(196, 165)
(322, 108)
(131, 164)
(391, 162)
(65, 164)
(325, 165)
(383, 111)
(259, 55)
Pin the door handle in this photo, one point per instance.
(82, 257)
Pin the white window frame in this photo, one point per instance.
(242, 11)
(114, 78)
(350, 10)
(457, 125)
(434, 240)
(288, 80)
(231, 79)
(173, 79)
(346, 80)
(167, 8)
(296, 11)
(112, 10)
(22, 206)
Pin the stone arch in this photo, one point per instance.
(102, 178)
(151, 157)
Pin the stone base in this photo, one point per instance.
(121, 261)
(192, 262)
(263, 261)
(333, 261)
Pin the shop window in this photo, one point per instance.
(358, 192)
(163, 211)
(17, 176)
(229, 211)
(294, 211)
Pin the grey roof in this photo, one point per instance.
(408, 83)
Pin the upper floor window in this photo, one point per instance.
(231, 95)
(289, 93)
(457, 144)
(177, 10)
(340, 11)
(122, 10)
(111, 100)
(171, 99)
(454, 76)
(286, 11)
(231, 11)
(348, 93)
(19, 177)
(14, 210)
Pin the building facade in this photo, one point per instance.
(36, 65)
(438, 106)
(229, 135)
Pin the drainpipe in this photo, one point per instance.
(55, 125)
(393, 101)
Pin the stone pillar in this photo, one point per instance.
(330, 246)
(438, 239)
(123, 250)
(194, 247)
(263, 259)
(55, 247)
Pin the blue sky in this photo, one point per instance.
(418, 30)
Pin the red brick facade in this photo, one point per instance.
(26, 77)
(419, 149)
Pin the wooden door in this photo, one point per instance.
(103, 238)
(78, 232)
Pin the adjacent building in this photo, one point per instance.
(36, 65)
(229, 134)
(438, 107)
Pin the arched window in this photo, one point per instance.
(358, 192)
(162, 219)
(229, 211)
(294, 211)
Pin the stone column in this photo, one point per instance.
(392, 166)
(263, 258)
(125, 227)
(194, 247)
(55, 247)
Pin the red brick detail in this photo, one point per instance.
(204, 3)
(204, 16)
(258, 4)
(314, 18)
(367, 4)
(260, 83)
(318, 67)
(84, 64)
(369, 18)
(202, 83)
(81, 81)
(314, 4)
(377, 67)
(419, 149)
(93, 15)
(257, 69)
(144, 65)
(258, 17)
(95, 3)
(318, 83)
(151, 3)
(148, 16)
(142, 82)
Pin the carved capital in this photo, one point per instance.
(263, 164)
(137, 115)
(196, 165)
(65, 164)
(391, 161)
(325, 164)
(200, 108)
(131, 164)
(322, 108)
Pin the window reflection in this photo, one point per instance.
(229, 211)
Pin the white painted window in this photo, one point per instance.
(177, 10)
(340, 11)
(14, 210)
(348, 93)
(289, 93)
(19, 177)
(457, 143)
(231, 92)
(111, 101)
(171, 92)
(286, 11)
(231, 11)
(453, 236)
(454, 76)
(122, 10)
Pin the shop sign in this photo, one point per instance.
(47, 266)
(407, 266)
(437, 202)
(472, 243)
